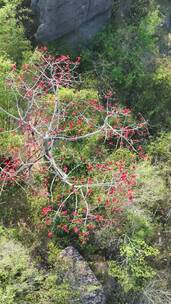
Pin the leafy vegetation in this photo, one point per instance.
(21, 282)
(78, 165)
(13, 42)
(126, 58)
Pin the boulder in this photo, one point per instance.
(81, 277)
(72, 20)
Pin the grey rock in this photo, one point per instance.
(81, 278)
(74, 21)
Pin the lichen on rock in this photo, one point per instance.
(81, 277)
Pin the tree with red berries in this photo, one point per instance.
(67, 140)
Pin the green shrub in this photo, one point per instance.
(68, 94)
(9, 142)
(6, 95)
(133, 12)
(13, 205)
(133, 271)
(151, 190)
(13, 42)
(22, 283)
(160, 148)
(139, 223)
(126, 58)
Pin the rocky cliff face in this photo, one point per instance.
(81, 278)
(75, 21)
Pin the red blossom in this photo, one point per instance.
(65, 169)
(90, 227)
(124, 176)
(107, 203)
(65, 212)
(78, 59)
(75, 229)
(46, 210)
(74, 213)
(89, 167)
(26, 66)
(65, 228)
(13, 66)
(48, 222)
(126, 112)
(108, 95)
(98, 218)
(50, 234)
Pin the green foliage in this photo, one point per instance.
(125, 52)
(138, 223)
(13, 205)
(122, 154)
(21, 282)
(6, 95)
(22, 210)
(152, 188)
(17, 276)
(160, 148)
(134, 270)
(9, 142)
(53, 253)
(153, 191)
(68, 94)
(125, 57)
(134, 11)
(36, 203)
(13, 42)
